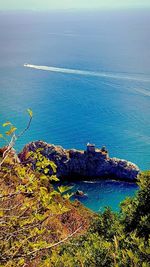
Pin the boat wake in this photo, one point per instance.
(88, 73)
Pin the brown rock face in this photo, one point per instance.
(74, 164)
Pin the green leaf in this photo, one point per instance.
(63, 209)
(1, 136)
(1, 213)
(6, 123)
(11, 131)
(130, 254)
(21, 261)
(46, 170)
(63, 189)
(53, 166)
(54, 178)
(68, 196)
(44, 177)
(30, 112)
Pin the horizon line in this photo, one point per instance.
(75, 9)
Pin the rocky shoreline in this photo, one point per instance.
(91, 163)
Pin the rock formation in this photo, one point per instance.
(90, 164)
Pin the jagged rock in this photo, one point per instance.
(79, 193)
(94, 164)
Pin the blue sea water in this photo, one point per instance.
(102, 194)
(71, 109)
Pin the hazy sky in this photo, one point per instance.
(63, 4)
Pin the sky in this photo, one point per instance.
(73, 4)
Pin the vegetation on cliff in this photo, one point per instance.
(114, 239)
(39, 226)
(34, 217)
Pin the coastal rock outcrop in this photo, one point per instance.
(90, 164)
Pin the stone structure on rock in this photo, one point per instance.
(92, 163)
(90, 147)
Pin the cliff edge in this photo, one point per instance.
(92, 163)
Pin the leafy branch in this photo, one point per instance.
(12, 133)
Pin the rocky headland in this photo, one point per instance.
(91, 163)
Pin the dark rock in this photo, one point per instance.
(79, 193)
(84, 164)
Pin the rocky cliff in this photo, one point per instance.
(74, 164)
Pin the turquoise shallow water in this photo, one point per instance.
(101, 194)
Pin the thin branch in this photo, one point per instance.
(54, 245)
(9, 148)
(15, 194)
(28, 227)
(12, 208)
(13, 140)
(4, 258)
(22, 133)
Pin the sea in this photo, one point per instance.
(86, 77)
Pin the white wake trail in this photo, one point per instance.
(87, 73)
